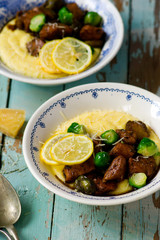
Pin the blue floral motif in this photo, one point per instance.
(75, 95)
(63, 105)
(94, 94)
(44, 174)
(42, 125)
(35, 149)
(129, 97)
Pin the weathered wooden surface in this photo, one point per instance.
(46, 216)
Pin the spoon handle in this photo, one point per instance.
(12, 231)
(6, 234)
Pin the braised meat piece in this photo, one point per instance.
(102, 187)
(75, 10)
(89, 32)
(74, 171)
(23, 18)
(139, 128)
(142, 165)
(123, 149)
(53, 31)
(129, 137)
(116, 170)
(97, 145)
(34, 46)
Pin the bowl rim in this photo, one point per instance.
(149, 189)
(5, 71)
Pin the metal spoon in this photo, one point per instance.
(10, 207)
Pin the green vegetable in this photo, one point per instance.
(76, 128)
(65, 16)
(37, 22)
(110, 136)
(84, 185)
(92, 18)
(102, 159)
(138, 180)
(157, 158)
(147, 147)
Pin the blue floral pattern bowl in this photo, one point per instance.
(120, 97)
(112, 25)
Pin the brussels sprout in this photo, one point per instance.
(101, 159)
(157, 158)
(37, 22)
(76, 128)
(147, 147)
(92, 18)
(65, 16)
(109, 136)
(84, 185)
(138, 180)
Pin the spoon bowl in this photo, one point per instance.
(10, 207)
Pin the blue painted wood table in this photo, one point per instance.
(46, 216)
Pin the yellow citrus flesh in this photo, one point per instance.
(71, 55)
(72, 149)
(45, 56)
(11, 120)
(45, 150)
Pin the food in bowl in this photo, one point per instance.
(30, 44)
(103, 153)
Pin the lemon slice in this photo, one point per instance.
(45, 150)
(71, 55)
(45, 56)
(73, 149)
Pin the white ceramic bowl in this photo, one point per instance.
(112, 25)
(110, 96)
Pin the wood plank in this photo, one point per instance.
(144, 68)
(36, 201)
(78, 221)
(141, 218)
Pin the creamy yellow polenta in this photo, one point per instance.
(14, 54)
(96, 123)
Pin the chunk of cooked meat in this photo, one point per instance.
(142, 165)
(23, 18)
(74, 171)
(116, 170)
(139, 128)
(123, 149)
(76, 11)
(97, 145)
(129, 137)
(34, 46)
(89, 32)
(102, 187)
(53, 31)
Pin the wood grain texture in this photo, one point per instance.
(78, 221)
(144, 70)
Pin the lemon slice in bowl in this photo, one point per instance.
(46, 148)
(45, 57)
(72, 149)
(71, 55)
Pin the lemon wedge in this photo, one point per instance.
(72, 149)
(46, 148)
(45, 57)
(71, 55)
